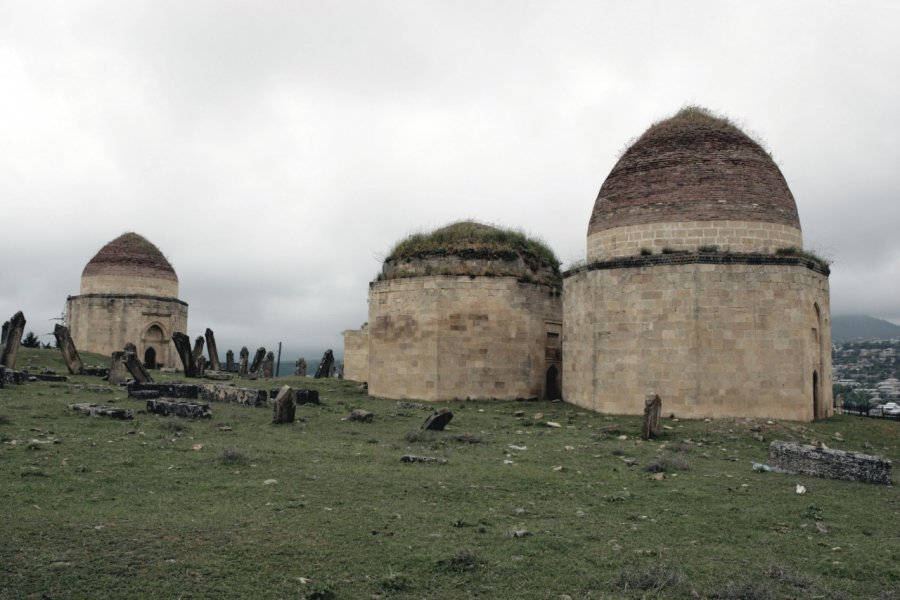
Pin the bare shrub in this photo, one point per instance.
(231, 455)
(174, 425)
(653, 578)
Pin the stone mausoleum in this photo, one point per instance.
(129, 293)
(696, 287)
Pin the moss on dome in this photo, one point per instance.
(474, 241)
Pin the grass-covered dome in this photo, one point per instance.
(475, 249)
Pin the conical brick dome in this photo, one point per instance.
(129, 265)
(693, 180)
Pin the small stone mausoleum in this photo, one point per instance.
(129, 293)
(696, 287)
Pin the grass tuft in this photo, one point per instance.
(4, 420)
(469, 438)
(174, 425)
(231, 455)
(462, 560)
(743, 590)
(655, 578)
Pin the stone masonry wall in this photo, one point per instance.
(713, 340)
(104, 323)
(733, 236)
(356, 354)
(125, 284)
(441, 337)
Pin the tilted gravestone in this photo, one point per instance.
(229, 361)
(267, 366)
(326, 366)
(67, 348)
(285, 407)
(137, 370)
(5, 333)
(13, 341)
(118, 372)
(200, 362)
(438, 420)
(652, 410)
(183, 346)
(129, 347)
(211, 350)
(198, 347)
(300, 367)
(245, 355)
(257, 361)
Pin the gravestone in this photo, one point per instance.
(267, 366)
(183, 346)
(5, 333)
(438, 420)
(137, 370)
(824, 462)
(167, 390)
(13, 341)
(285, 407)
(99, 410)
(129, 347)
(198, 347)
(257, 361)
(340, 371)
(67, 347)
(300, 367)
(363, 416)
(200, 362)
(236, 395)
(652, 410)
(229, 361)
(326, 366)
(211, 350)
(245, 354)
(306, 397)
(118, 372)
(169, 407)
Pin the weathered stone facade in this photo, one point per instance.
(443, 337)
(713, 339)
(129, 293)
(356, 353)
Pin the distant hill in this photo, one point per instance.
(847, 328)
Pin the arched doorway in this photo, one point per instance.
(551, 384)
(150, 358)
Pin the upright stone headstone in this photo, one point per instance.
(137, 370)
(5, 333)
(67, 347)
(118, 372)
(652, 410)
(285, 407)
(13, 341)
(183, 346)
(300, 367)
(257, 361)
(267, 366)
(326, 366)
(198, 347)
(229, 361)
(245, 355)
(211, 350)
(200, 363)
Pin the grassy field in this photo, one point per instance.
(235, 507)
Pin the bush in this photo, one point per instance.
(666, 463)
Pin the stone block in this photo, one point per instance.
(169, 407)
(306, 397)
(167, 390)
(235, 395)
(100, 410)
(804, 459)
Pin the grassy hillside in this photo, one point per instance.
(235, 507)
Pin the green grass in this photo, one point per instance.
(147, 509)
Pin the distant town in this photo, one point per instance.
(865, 377)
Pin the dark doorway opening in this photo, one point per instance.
(551, 385)
(150, 358)
(815, 394)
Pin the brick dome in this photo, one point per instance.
(694, 168)
(129, 265)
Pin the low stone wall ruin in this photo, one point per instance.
(830, 464)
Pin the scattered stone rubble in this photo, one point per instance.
(100, 410)
(178, 408)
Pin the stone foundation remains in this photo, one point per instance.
(830, 464)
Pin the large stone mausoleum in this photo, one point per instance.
(696, 287)
(129, 293)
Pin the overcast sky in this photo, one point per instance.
(275, 151)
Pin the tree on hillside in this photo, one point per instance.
(31, 341)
